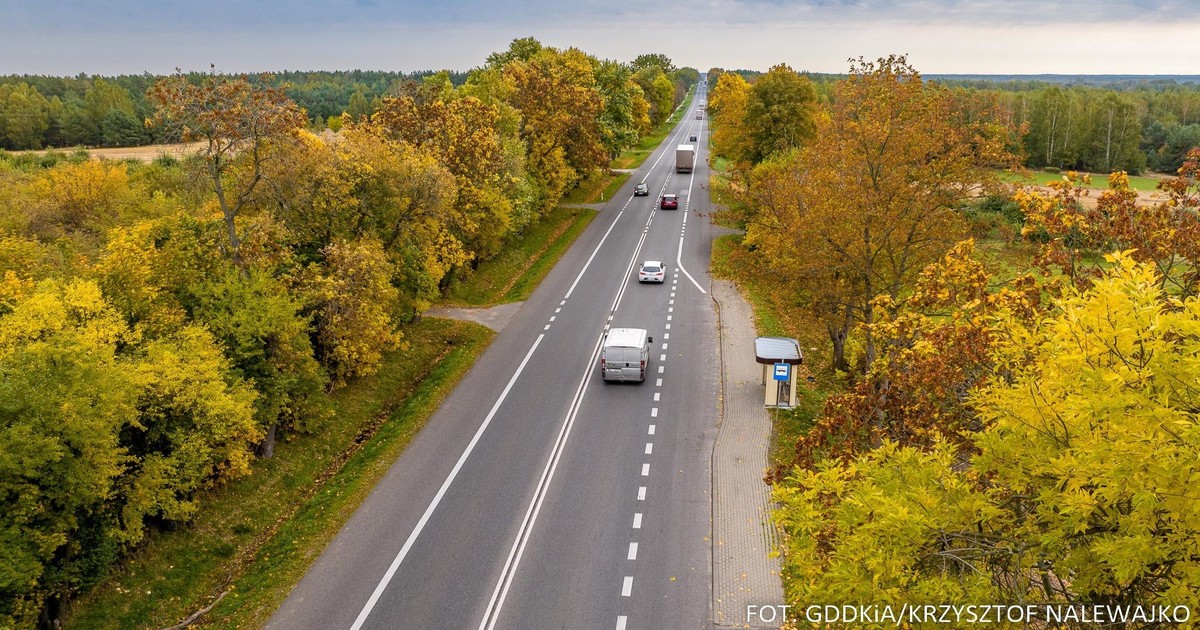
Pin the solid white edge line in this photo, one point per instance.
(412, 537)
(492, 613)
(594, 251)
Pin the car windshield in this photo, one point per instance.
(651, 269)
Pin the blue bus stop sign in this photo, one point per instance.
(782, 371)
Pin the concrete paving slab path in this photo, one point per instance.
(744, 573)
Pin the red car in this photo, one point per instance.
(669, 201)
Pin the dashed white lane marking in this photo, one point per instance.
(654, 412)
(666, 336)
(621, 621)
(632, 551)
(637, 520)
(646, 470)
(641, 493)
(662, 357)
(664, 346)
(552, 317)
(660, 369)
(558, 310)
(668, 327)
(649, 448)
(627, 586)
(659, 383)
(670, 309)
(651, 431)
(547, 327)
(672, 302)
(657, 395)
(669, 317)
(562, 303)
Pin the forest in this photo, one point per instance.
(1008, 412)
(164, 325)
(1096, 124)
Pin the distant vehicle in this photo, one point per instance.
(669, 201)
(641, 190)
(624, 354)
(685, 158)
(652, 271)
(699, 116)
(691, 138)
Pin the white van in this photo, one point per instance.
(625, 354)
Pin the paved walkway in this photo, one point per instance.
(743, 573)
(495, 317)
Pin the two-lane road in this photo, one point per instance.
(539, 496)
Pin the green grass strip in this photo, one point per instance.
(512, 276)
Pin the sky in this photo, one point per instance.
(107, 37)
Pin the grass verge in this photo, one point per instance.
(513, 275)
(257, 536)
(596, 188)
(777, 313)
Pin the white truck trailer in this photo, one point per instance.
(685, 158)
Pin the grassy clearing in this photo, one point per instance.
(512, 276)
(259, 534)
(1099, 181)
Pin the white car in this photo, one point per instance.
(652, 271)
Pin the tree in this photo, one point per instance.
(556, 95)
(241, 126)
(1073, 233)
(653, 60)
(871, 201)
(354, 300)
(121, 129)
(727, 111)
(779, 113)
(1081, 492)
(24, 116)
(266, 340)
(65, 396)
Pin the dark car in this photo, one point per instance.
(691, 138)
(641, 190)
(669, 201)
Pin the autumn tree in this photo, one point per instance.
(462, 135)
(1081, 491)
(779, 115)
(1074, 231)
(727, 101)
(241, 127)
(99, 434)
(872, 199)
(556, 96)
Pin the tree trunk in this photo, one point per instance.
(838, 333)
(266, 448)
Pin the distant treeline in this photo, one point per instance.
(1097, 123)
(39, 112)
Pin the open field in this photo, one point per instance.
(148, 153)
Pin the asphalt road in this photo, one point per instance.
(539, 496)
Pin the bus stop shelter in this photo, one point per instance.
(779, 357)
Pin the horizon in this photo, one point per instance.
(939, 37)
